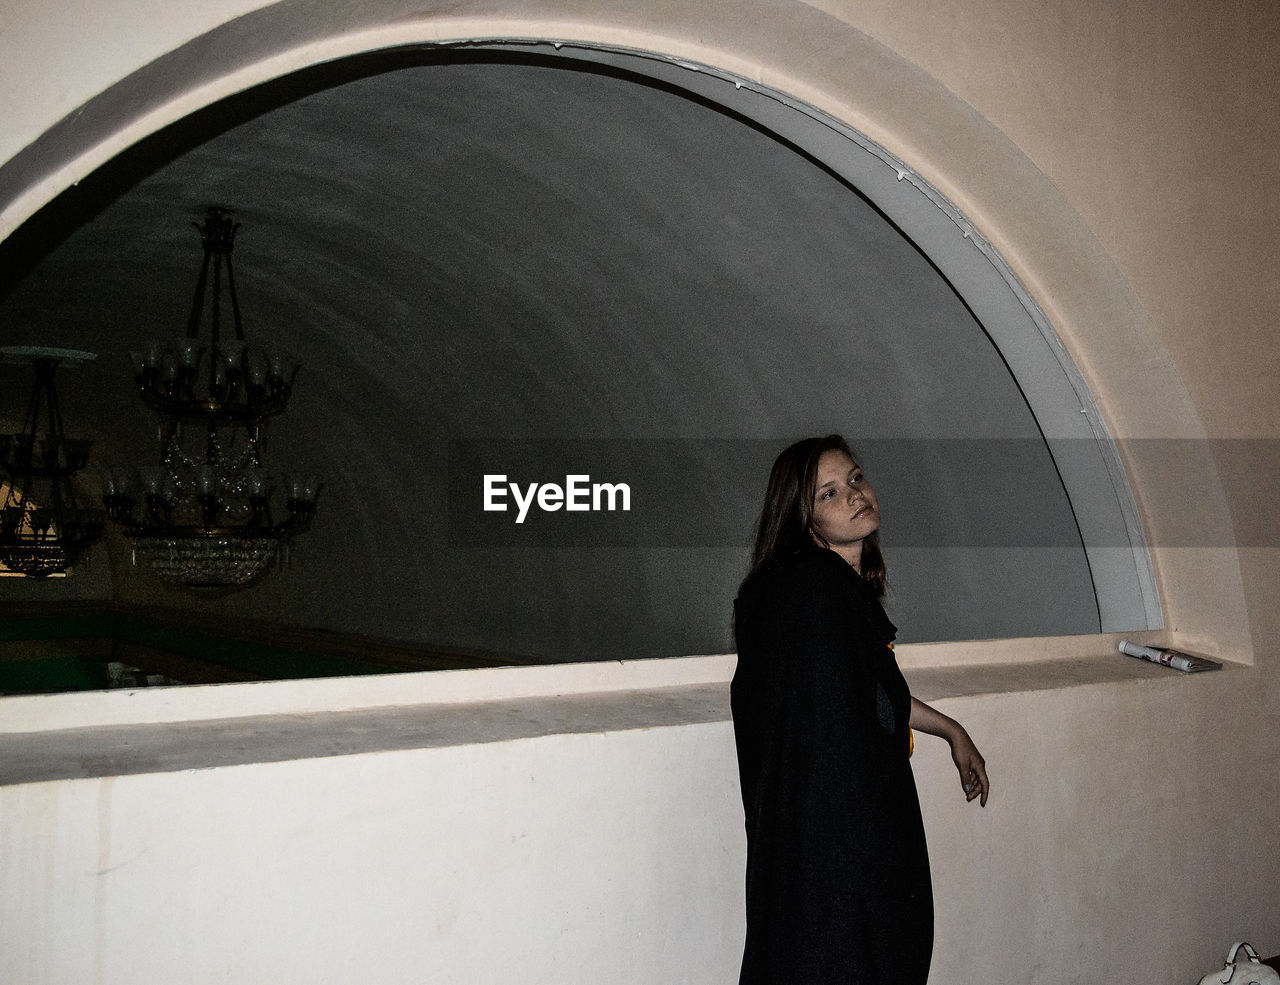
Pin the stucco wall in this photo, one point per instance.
(582, 824)
(1123, 162)
(531, 861)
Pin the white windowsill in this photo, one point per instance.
(155, 730)
(935, 670)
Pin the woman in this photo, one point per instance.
(838, 883)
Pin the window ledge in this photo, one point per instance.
(122, 750)
(937, 683)
(162, 730)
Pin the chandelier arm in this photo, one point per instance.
(215, 319)
(31, 423)
(197, 304)
(231, 287)
(56, 436)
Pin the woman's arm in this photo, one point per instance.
(969, 762)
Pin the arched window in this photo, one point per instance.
(649, 271)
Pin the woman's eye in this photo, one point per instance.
(827, 494)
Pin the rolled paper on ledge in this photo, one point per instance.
(1176, 659)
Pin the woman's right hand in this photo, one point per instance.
(971, 766)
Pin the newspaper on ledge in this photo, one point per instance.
(1170, 658)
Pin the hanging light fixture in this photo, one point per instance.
(43, 529)
(203, 517)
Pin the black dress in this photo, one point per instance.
(838, 883)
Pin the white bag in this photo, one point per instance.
(1251, 972)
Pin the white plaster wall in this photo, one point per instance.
(58, 56)
(570, 858)
(1121, 839)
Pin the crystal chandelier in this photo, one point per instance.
(43, 529)
(203, 518)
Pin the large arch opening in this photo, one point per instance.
(635, 267)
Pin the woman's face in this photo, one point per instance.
(844, 506)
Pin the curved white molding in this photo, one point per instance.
(1055, 390)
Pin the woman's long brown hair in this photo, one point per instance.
(786, 519)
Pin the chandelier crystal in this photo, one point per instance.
(43, 529)
(203, 517)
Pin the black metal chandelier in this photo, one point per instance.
(203, 517)
(43, 528)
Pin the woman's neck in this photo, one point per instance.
(852, 554)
